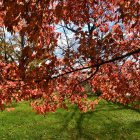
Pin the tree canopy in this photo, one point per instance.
(98, 44)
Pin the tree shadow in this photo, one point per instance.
(79, 128)
(91, 125)
(110, 129)
(135, 125)
(114, 107)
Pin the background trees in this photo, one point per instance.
(100, 46)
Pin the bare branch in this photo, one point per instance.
(97, 68)
(101, 63)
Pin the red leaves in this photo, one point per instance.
(103, 31)
(58, 11)
(119, 83)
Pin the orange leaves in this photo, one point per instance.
(58, 10)
(116, 85)
(94, 33)
(104, 28)
(116, 27)
(10, 109)
(121, 2)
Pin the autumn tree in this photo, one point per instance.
(99, 44)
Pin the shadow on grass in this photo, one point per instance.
(76, 131)
(104, 122)
(102, 125)
(82, 132)
(79, 128)
(135, 125)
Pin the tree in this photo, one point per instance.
(100, 47)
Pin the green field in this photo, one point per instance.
(107, 122)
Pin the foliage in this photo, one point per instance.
(103, 51)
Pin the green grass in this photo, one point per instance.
(107, 122)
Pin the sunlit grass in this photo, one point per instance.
(107, 122)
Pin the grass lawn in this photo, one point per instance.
(107, 122)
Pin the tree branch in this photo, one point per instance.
(80, 82)
(71, 29)
(101, 63)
